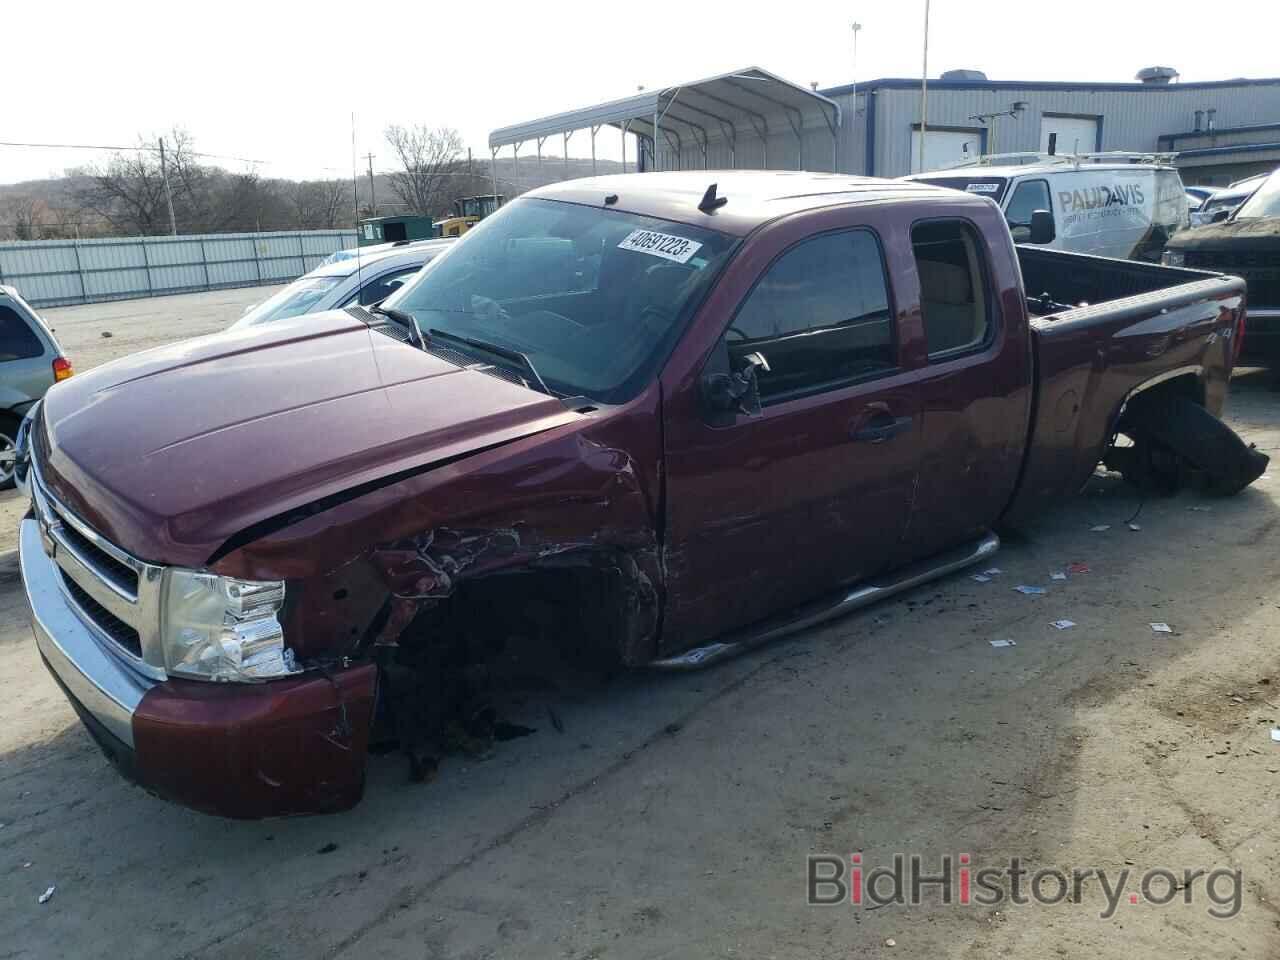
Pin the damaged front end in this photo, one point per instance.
(437, 618)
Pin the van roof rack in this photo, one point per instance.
(1068, 159)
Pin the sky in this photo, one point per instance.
(278, 82)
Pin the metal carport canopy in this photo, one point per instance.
(749, 101)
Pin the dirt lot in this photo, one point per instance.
(673, 815)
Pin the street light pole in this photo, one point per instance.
(924, 88)
(856, 27)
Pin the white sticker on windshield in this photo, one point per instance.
(982, 188)
(662, 245)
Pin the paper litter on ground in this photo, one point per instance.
(1200, 509)
(1100, 528)
(44, 897)
(981, 578)
(1030, 591)
(1062, 624)
(1135, 527)
(1003, 643)
(993, 572)
(1057, 576)
(1275, 734)
(1161, 628)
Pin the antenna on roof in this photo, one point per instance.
(710, 201)
(355, 199)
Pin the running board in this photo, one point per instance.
(812, 614)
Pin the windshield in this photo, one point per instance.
(1265, 201)
(595, 298)
(301, 296)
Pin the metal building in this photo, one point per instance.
(1227, 128)
(1224, 130)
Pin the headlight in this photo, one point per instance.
(220, 628)
(1173, 258)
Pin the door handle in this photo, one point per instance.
(881, 427)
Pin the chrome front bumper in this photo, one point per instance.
(104, 686)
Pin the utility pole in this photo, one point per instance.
(168, 193)
(373, 197)
(924, 87)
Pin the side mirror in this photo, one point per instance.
(1219, 215)
(725, 394)
(1042, 230)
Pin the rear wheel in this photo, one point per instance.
(1172, 434)
(8, 449)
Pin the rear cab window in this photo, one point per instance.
(819, 317)
(958, 319)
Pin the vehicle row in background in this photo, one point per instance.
(467, 212)
(1119, 205)
(1244, 242)
(363, 276)
(1223, 202)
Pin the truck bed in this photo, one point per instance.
(1057, 281)
(1101, 330)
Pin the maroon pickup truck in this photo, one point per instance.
(668, 419)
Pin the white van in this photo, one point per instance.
(1109, 204)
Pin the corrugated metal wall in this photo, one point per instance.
(1132, 119)
(55, 272)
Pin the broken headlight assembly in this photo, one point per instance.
(221, 628)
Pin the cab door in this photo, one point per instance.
(975, 378)
(768, 509)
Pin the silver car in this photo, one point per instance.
(30, 363)
(365, 279)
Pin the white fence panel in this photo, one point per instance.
(56, 272)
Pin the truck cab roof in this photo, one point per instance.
(753, 197)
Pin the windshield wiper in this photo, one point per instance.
(499, 351)
(404, 318)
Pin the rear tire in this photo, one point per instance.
(1182, 427)
(8, 449)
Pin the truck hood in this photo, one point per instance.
(170, 452)
(1236, 236)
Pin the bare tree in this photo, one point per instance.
(428, 158)
(318, 204)
(129, 191)
(333, 203)
(26, 218)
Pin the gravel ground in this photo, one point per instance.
(673, 815)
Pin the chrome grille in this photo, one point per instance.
(102, 618)
(121, 574)
(115, 594)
